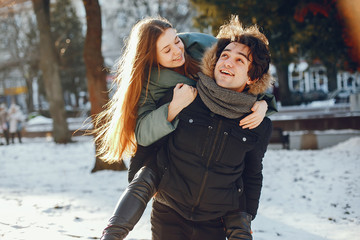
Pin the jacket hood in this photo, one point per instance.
(208, 65)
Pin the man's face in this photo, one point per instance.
(232, 67)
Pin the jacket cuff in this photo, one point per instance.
(271, 101)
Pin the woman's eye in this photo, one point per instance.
(240, 60)
(167, 51)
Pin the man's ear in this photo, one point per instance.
(249, 81)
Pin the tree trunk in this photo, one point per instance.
(30, 94)
(96, 76)
(50, 68)
(283, 77)
(75, 92)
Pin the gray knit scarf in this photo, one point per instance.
(222, 101)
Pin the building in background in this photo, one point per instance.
(312, 80)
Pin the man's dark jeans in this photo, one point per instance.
(167, 224)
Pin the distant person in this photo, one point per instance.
(4, 128)
(16, 119)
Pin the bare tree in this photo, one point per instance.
(50, 68)
(121, 15)
(95, 73)
(23, 46)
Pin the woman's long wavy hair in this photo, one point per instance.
(114, 128)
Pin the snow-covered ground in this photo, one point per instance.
(48, 192)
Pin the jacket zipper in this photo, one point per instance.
(206, 140)
(222, 146)
(202, 188)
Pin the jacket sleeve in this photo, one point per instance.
(197, 43)
(271, 101)
(152, 123)
(252, 176)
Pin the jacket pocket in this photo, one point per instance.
(215, 198)
(192, 134)
(238, 143)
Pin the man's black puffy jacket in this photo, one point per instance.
(211, 165)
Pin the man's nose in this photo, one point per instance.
(228, 63)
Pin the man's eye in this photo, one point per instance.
(167, 51)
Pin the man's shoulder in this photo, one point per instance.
(265, 127)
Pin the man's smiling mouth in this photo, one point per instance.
(226, 72)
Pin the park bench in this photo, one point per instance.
(278, 136)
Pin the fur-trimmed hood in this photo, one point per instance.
(208, 65)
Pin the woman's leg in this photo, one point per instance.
(132, 204)
(144, 156)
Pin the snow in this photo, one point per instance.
(43, 124)
(39, 120)
(48, 192)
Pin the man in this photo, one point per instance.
(212, 168)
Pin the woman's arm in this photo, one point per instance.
(254, 119)
(154, 123)
(265, 106)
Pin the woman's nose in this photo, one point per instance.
(177, 50)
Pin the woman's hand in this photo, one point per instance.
(254, 119)
(182, 97)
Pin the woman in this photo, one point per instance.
(138, 96)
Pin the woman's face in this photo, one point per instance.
(170, 49)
